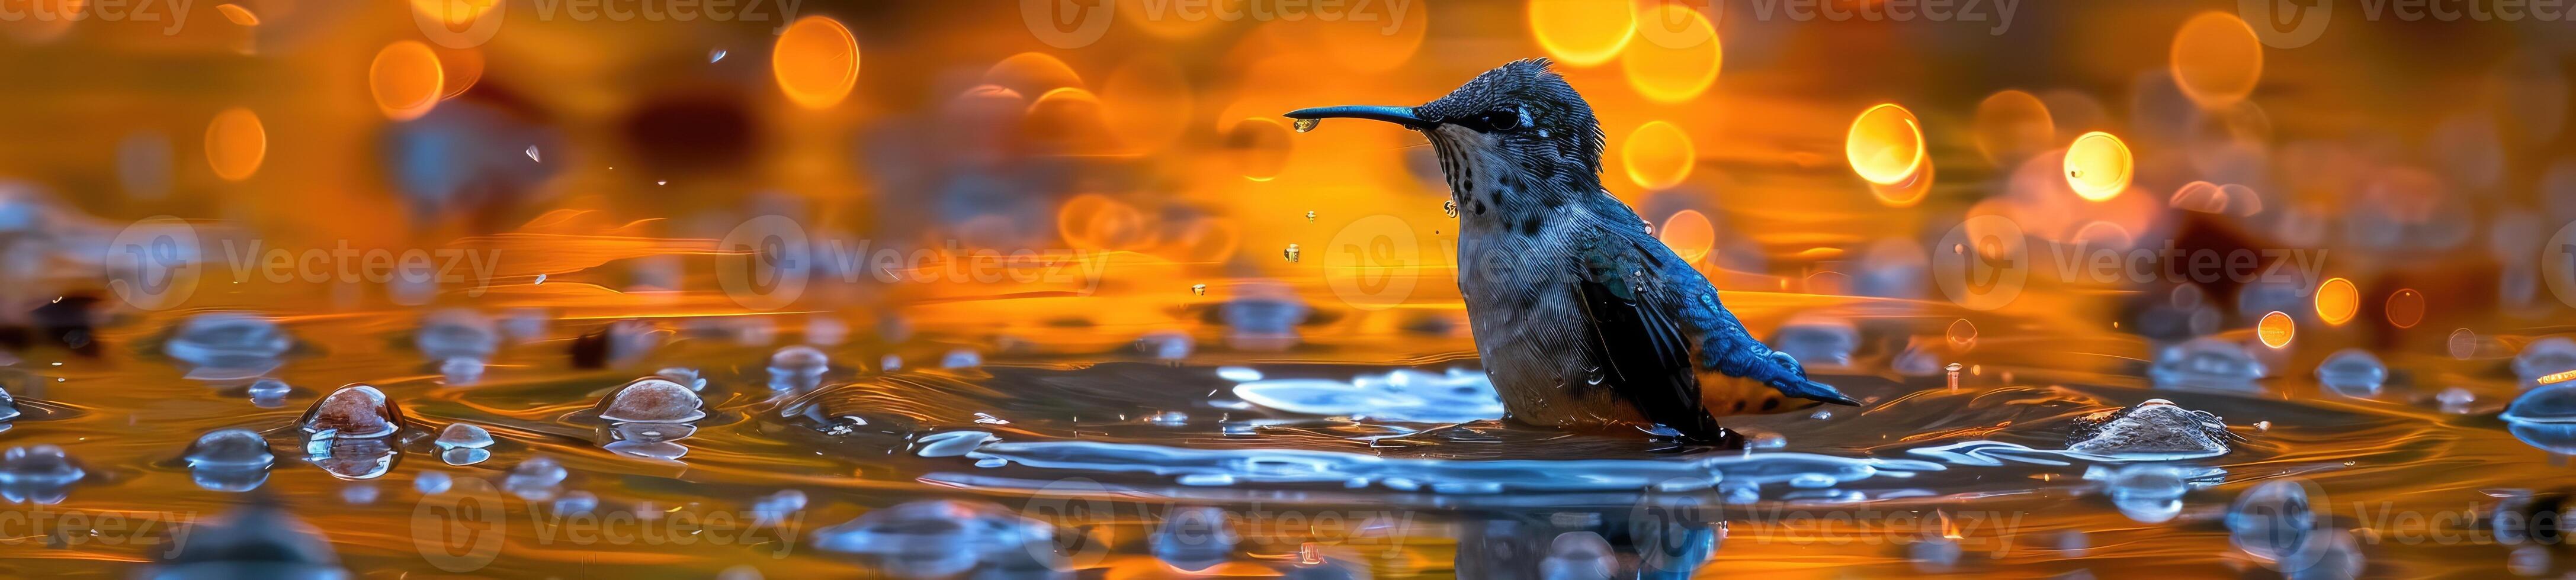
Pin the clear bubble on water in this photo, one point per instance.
(354, 411)
(350, 458)
(939, 538)
(2148, 493)
(889, 363)
(799, 361)
(2353, 372)
(464, 435)
(227, 448)
(961, 359)
(1165, 345)
(432, 482)
(536, 478)
(524, 324)
(461, 371)
(228, 340)
(1194, 538)
(2455, 400)
(652, 399)
(2545, 357)
(38, 473)
(463, 456)
(2271, 521)
(2206, 362)
(2550, 404)
(455, 333)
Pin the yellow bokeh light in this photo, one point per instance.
(406, 80)
(2098, 166)
(2012, 125)
(454, 12)
(1885, 144)
(236, 144)
(1658, 155)
(2216, 59)
(1689, 233)
(1903, 194)
(1679, 61)
(816, 62)
(1582, 32)
(2276, 329)
(2337, 301)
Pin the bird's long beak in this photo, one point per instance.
(1397, 115)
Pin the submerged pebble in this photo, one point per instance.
(938, 538)
(652, 399)
(2352, 371)
(354, 411)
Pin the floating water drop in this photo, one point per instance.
(654, 400)
(774, 508)
(716, 56)
(1291, 253)
(575, 502)
(2272, 520)
(1817, 340)
(532, 154)
(269, 393)
(2148, 493)
(1579, 555)
(228, 340)
(2206, 362)
(535, 477)
(227, 448)
(1198, 289)
(355, 411)
(464, 436)
(1304, 125)
(961, 359)
(2455, 400)
(461, 371)
(799, 361)
(2352, 371)
(38, 473)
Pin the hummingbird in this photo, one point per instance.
(1582, 317)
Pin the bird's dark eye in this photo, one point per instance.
(1496, 120)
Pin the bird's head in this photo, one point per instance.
(1520, 118)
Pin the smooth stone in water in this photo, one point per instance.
(464, 435)
(939, 538)
(2547, 356)
(2353, 372)
(1195, 538)
(2151, 427)
(652, 399)
(354, 411)
(230, 448)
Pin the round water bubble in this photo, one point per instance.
(2147, 492)
(939, 537)
(2549, 404)
(2455, 399)
(464, 436)
(2206, 362)
(461, 371)
(228, 340)
(961, 359)
(2352, 372)
(799, 361)
(652, 399)
(229, 448)
(537, 477)
(38, 473)
(446, 334)
(354, 411)
(576, 502)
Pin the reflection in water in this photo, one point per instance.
(253, 541)
(229, 460)
(1404, 395)
(2353, 372)
(537, 478)
(40, 473)
(1195, 538)
(351, 458)
(2152, 492)
(944, 537)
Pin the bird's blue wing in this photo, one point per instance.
(1640, 347)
